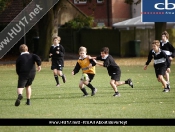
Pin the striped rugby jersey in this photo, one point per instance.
(167, 48)
(160, 58)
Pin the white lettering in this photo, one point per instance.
(11, 34)
(159, 6)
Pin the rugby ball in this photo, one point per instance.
(84, 77)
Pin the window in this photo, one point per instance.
(80, 1)
(100, 1)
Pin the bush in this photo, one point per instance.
(79, 22)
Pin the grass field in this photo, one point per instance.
(145, 100)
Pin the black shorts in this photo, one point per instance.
(56, 65)
(116, 76)
(91, 76)
(170, 65)
(25, 80)
(160, 71)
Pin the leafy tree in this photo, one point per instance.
(159, 26)
(47, 25)
(4, 4)
(79, 22)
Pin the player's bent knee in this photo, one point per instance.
(112, 82)
(117, 83)
(160, 78)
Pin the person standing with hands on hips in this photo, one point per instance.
(56, 54)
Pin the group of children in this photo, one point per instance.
(87, 64)
(162, 52)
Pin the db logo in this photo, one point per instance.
(163, 6)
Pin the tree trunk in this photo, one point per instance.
(159, 28)
(56, 10)
(45, 35)
(48, 27)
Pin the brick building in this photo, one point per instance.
(105, 11)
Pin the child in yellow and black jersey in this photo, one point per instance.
(88, 71)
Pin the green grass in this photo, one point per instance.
(145, 100)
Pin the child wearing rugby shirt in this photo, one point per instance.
(25, 68)
(113, 70)
(88, 68)
(56, 53)
(168, 48)
(161, 63)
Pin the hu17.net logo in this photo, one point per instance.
(158, 11)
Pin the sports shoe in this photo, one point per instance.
(17, 103)
(85, 95)
(93, 92)
(168, 86)
(57, 85)
(166, 90)
(64, 78)
(130, 83)
(117, 94)
(27, 103)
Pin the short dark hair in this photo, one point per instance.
(156, 42)
(105, 50)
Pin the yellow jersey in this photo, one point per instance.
(84, 65)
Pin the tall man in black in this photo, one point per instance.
(26, 70)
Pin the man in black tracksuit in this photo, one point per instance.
(26, 70)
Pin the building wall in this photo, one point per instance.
(136, 9)
(120, 11)
(68, 12)
(94, 9)
(108, 12)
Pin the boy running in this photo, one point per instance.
(57, 54)
(113, 70)
(168, 48)
(88, 68)
(161, 63)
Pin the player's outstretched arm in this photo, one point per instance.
(90, 57)
(145, 67)
(101, 64)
